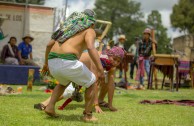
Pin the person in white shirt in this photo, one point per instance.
(120, 43)
(133, 50)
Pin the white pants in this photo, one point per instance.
(68, 91)
(11, 60)
(66, 71)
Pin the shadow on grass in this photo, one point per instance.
(131, 95)
(25, 95)
(73, 106)
(72, 117)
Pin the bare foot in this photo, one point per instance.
(113, 109)
(51, 112)
(89, 118)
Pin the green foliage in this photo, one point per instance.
(17, 110)
(154, 20)
(125, 16)
(182, 16)
(51, 82)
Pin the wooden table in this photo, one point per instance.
(166, 64)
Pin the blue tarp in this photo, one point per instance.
(17, 74)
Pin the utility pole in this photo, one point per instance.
(65, 14)
(25, 16)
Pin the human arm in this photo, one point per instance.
(20, 57)
(49, 46)
(96, 104)
(111, 86)
(20, 54)
(93, 53)
(111, 89)
(48, 49)
(31, 57)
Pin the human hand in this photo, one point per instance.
(101, 77)
(154, 41)
(98, 109)
(21, 62)
(45, 70)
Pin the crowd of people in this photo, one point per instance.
(18, 55)
(141, 51)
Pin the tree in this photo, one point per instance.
(125, 16)
(182, 16)
(154, 20)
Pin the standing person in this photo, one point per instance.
(25, 51)
(134, 50)
(120, 43)
(144, 51)
(62, 57)
(9, 54)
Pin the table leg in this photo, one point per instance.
(177, 78)
(163, 81)
(150, 77)
(171, 82)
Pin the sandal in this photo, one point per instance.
(88, 117)
(104, 104)
(87, 114)
(39, 106)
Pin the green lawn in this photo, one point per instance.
(17, 110)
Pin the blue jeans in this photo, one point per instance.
(147, 69)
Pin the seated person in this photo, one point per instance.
(9, 54)
(25, 51)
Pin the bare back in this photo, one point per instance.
(76, 44)
(86, 59)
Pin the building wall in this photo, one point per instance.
(185, 44)
(13, 25)
(38, 23)
(41, 27)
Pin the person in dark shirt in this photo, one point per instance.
(25, 51)
(144, 52)
(9, 54)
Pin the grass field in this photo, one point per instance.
(17, 110)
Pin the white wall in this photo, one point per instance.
(39, 24)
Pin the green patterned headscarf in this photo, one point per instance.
(75, 23)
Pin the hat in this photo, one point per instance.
(122, 37)
(147, 30)
(28, 36)
(116, 51)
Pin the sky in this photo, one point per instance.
(165, 9)
(163, 6)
